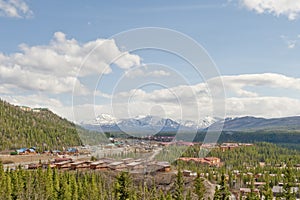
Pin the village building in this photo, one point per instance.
(25, 151)
(212, 161)
(80, 165)
(100, 164)
(117, 165)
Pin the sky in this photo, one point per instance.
(82, 59)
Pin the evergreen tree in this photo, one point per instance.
(49, 184)
(289, 181)
(267, 190)
(222, 193)
(122, 186)
(199, 188)
(252, 195)
(74, 188)
(55, 177)
(179, 184)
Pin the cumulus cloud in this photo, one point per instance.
(197, 100)
(234, 85)
(56, 67)
(29, 80)
(185, 101)
(15, 9)
(246, 85)
(34, 101)
(272, 80)
(269, 107)
(289, 8)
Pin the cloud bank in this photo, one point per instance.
(44, 76)
(55, 67)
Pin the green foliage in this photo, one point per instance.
(267, 190)
(53, 185)
(289, 183)
(252, 195)
(237, 158)
(122, 186)
(179, 186)
(42, 129)
(92, 137)
(199, 187)
(287, 137)
(222, 192)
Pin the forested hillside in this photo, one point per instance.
(43, 129)
(287, 138)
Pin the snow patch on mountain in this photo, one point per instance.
(149, 122)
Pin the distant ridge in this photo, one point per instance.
(108, 123)
(147, 124)
(249, 123)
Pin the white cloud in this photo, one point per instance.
(15, 8)
(247, 85)
(270, 107)
(242, 99)
(34, 81)
(54, 67)
(34, 101)
(289, 8)
(267, 79)
(158, 73)
(140, 72)
(185, 101)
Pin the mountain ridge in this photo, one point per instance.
(248, 123)
(151, 123)
(147, 123)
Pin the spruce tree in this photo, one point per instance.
(199, 187)
(267, 191)
(252, 195)
(8, 188)
(122, 186)
(289, 181)
(222, 193)
(179, 186)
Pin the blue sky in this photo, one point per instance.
(254, 43)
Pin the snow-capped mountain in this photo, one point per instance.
(200, 124)
(148, 121)
(102, 119)
(105, 119)
(145, 124)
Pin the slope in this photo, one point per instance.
(41, 128)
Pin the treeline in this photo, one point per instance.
(287, 137)
(43, 129)
(51, 184)
(268, 153)
(262, 162)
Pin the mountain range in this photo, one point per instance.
(147, 124)
(153, 124)
(249, 123)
